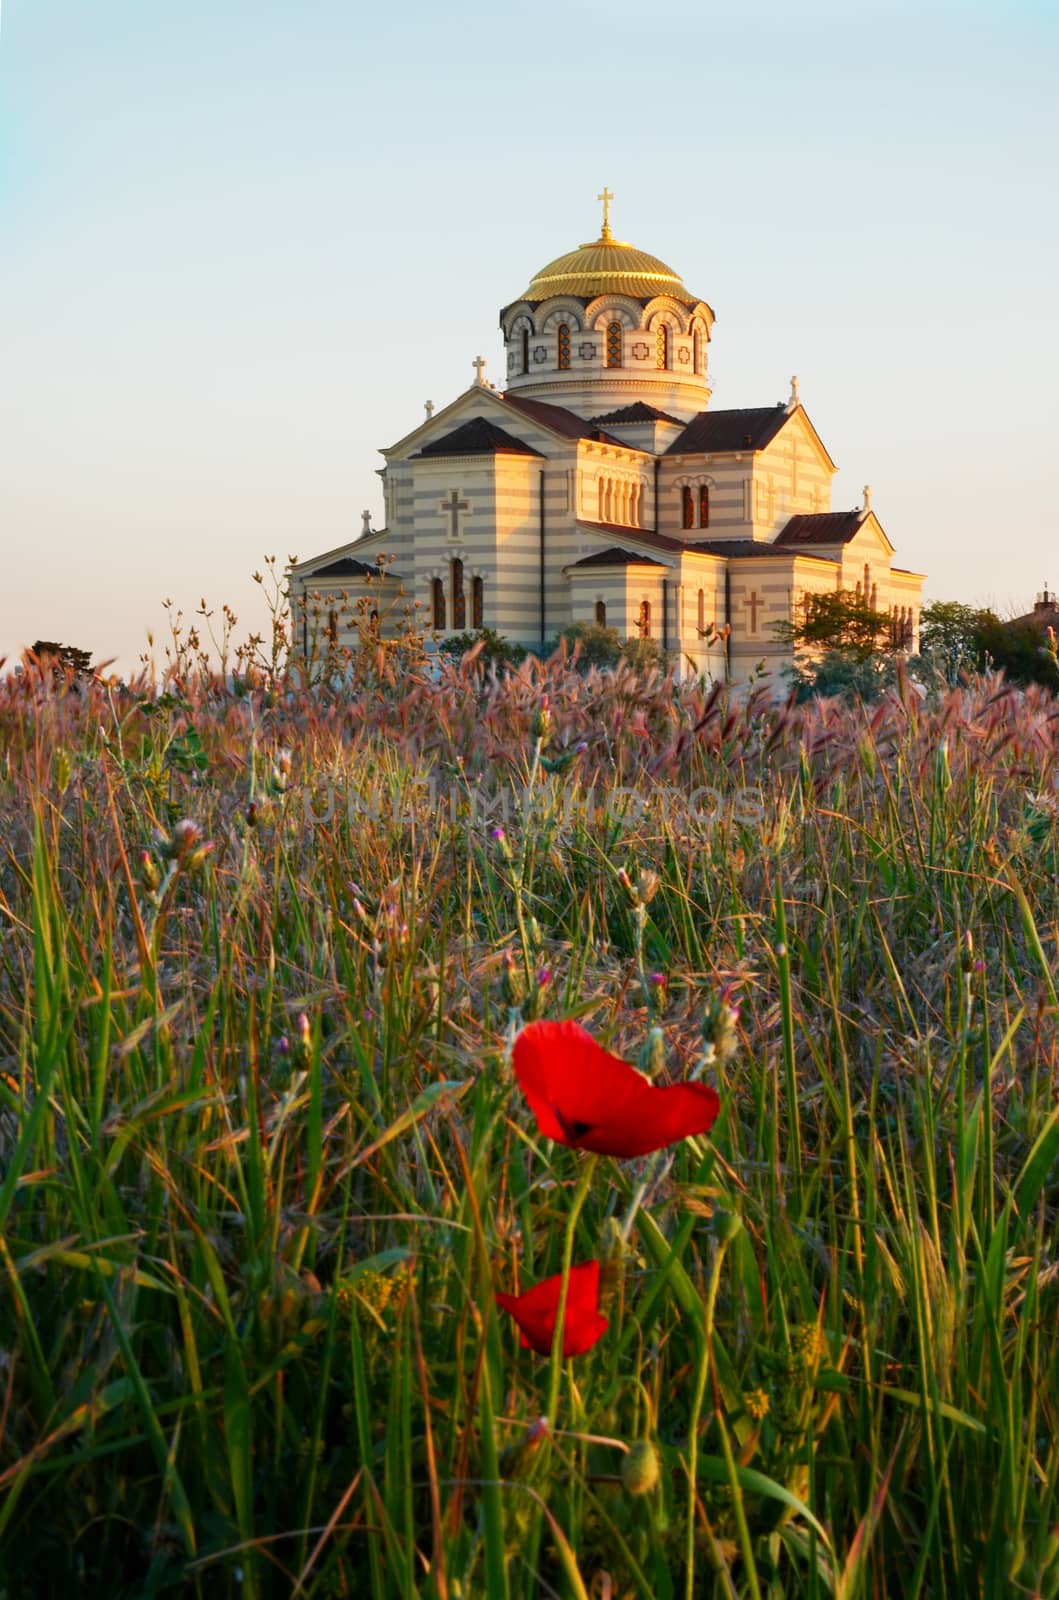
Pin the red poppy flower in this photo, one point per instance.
(535, 1312)
(586, 1098)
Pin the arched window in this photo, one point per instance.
(704, 505)
(687, 501)
(332, 626)
(644, 622)
(696, 350)
(525, 349)
(662, 347)
(601, 613)
(477, 602)
(459, 602)
(615, 345)
(563, 346)
(702, 611)
(437, 605)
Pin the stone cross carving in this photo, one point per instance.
(606, 198)
(428, 407)
(365, 520)
(752, 601)
(479, 364)
(454, 505)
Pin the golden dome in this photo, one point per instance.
(607, 266)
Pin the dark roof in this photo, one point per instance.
(479, 437)
(613, 557)
(344, 567)
(740, 549)
(750, 428)
(822, 527)
(1045, 615)
(638, 412)
(659, 541)
(557, 418)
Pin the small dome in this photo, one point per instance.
(607, 266)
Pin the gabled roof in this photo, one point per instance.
(823, 527)
(557, 418)
(744, 549)
(478, 437)
(639, 411)
(657, 541)
(747, 428)
(613, 557)
(345, 567)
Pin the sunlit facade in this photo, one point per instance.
(600, 483)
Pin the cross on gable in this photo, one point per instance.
(452, 508)
(479, 364)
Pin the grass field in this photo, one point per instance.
(264, 1160)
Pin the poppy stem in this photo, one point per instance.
(657, 1167)
(555, 1370)
(702, 1375)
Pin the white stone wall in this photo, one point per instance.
(790, 477)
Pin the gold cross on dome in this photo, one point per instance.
(606, 198)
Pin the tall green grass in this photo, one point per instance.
(263, 1163)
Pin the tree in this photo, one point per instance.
(841, 645)
(643, 654)
(497, 651)
(604, 647)
(600, 646)
(840, 620)
(952, 637)
(958, 639)
(1020, 649)
(63, 657)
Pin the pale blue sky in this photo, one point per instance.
(241, 243)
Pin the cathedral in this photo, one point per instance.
(598, 485)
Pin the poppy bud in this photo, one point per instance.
(640, 1470)
(648, 885)
(515, 1457)
(967, 953)
(197, 858)
(726, 1225)
(542, 722)
(611, 1263)
(281, 771)
(512, 982)
(149, 873)
(653, 1053)
(183, 840)
(628, 885)
(719, 1027)
(304, 1046)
